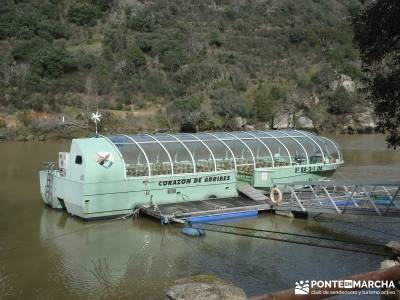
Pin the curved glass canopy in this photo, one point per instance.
(163, 154)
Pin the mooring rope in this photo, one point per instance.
(293, 234)
(294, 241)
(356, 225)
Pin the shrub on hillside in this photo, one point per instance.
(52, 62)
(268, 101)
(25, 19)
(115, 39)
(215, 39)
(83, 13)
(135, 60)
(173, 59)
(228, 103)
(141, 20)
(104, 5)
(155, 83)
(24, 50)
(340, 102)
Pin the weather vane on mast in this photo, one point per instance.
(96, 117)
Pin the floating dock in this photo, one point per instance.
(341, 197)
(299, 199)
(206, 210)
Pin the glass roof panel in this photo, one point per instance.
(223, 156)
(119, 139)
(135, 161)
(331, 148)
(204, 136)
(261, 154)
(202, 156)
(313, 151)
(242, 135)
(330, 151)
(274, 133)
(205, 152)
(185, 137)
(292, 133)
(141, 138)
(261, 134)
(280, 154)
(180, 156)
(241, 152)
(299, 156)
(163, 137)
(328, 146)
(159, 161)
(223, 136)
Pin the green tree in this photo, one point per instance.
(340, 102)
(83, 13)
(115, 39)
(215, 39)
(228, 103)
(377, 31)
(141, 20)
(185, 111)
(268, 102)
(104, 5)
(24, 50)
(135, 60)
(52, 62)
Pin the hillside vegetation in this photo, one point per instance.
(165, 64)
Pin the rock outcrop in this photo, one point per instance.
(365, 121)
(283, 121)
(204, 287)
(344, 81)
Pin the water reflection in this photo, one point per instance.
(94, 259)
(139, 259)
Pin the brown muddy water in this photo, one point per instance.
(46, 254)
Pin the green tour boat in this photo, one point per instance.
(106, 176)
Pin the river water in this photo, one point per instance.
(46, 254)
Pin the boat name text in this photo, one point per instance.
(308, 169)
(194, 180)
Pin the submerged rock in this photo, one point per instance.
(204, 287)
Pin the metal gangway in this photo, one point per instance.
(341, 197)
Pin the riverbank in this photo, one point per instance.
(34, 126)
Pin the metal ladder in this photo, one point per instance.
(49, 183)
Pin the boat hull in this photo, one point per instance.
(281, 176)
